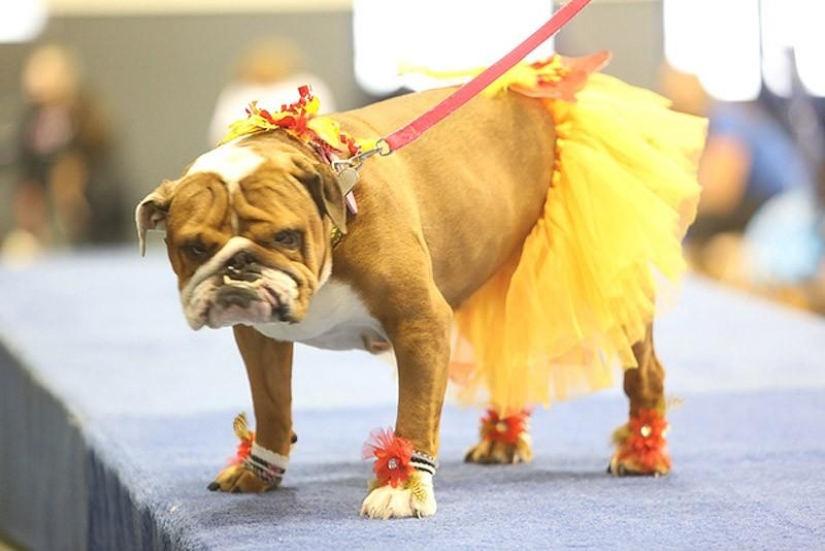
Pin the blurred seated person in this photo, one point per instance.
(783, 253)
(269, 71)
(749, 157)
(67, 193)
(744, 162)
(784, 243)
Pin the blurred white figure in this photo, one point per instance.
(269, 71)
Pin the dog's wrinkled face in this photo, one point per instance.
(246, 232)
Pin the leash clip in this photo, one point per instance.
(356, 161)
(346, 171)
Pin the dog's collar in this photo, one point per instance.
(335, 236)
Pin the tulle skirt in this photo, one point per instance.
(561, 317)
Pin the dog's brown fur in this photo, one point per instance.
(435, 221)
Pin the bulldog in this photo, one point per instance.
(260, 236)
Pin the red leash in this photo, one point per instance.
(416, 128)
(347, 169)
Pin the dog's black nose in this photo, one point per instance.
(243, 267)
(241, 260)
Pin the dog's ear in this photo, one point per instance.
(325, 189)
(151, 212)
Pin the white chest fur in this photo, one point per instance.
(337, 319)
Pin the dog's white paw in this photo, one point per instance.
(415, 498)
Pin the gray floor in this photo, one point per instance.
(126, 415)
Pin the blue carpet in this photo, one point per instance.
(115, 417)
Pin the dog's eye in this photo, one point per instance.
(289, 239)
(195, 251)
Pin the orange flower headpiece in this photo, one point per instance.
(301, 120)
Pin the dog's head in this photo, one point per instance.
(247, 230)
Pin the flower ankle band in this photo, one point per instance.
(267, 465)
(395, 459)
(644, 438)
(424, 463)
(504, 429)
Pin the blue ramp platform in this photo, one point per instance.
(114, 417)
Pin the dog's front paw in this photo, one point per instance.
(640, 446)
(238, 479)
(504, 440)
(254, 469)
(414, 498)
(403, 486)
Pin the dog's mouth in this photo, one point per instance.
(232, 298)
(238, 301)
(239, 293)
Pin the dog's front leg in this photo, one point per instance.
(269, 369)
(419, 332)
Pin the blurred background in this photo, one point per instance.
(100, 100)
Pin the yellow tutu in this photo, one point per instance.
(562, 315)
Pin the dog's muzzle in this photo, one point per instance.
(241, 279)
(243, 294)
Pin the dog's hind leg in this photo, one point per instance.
(505, 439)
(640, 443)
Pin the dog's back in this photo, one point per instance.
(479, 180)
